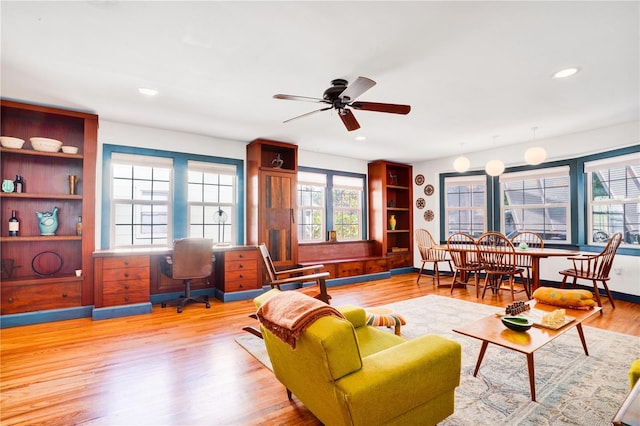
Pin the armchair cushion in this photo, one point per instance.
(568, 298)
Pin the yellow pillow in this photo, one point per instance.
(564, 297)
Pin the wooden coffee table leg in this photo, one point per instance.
(584, 342)
(532, 376)
(482, 351)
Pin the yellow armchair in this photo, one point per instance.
(348, 373)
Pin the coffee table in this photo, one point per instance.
(491, 330)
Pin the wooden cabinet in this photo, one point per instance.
(239, 270)
(271, 199)
(38, 272)
(122, 280)
(390, 194)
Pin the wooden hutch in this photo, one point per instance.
(391, 194)
(38, 271)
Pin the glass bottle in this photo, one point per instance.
(19, 184)
(14, 224)
(79, 226)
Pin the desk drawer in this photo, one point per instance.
(241, 280)
(125, 262)
(125, 292)
(126, 274)
(241, 255)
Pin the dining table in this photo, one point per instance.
(536, 253)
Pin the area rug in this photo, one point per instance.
(571, 388)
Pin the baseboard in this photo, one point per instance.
(39, 317)
(120, 311)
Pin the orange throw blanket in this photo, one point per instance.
(289, 313)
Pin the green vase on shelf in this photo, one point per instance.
(392, 222)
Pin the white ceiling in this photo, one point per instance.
(470, 70)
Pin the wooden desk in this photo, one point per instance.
(129, 276)
(535, 253)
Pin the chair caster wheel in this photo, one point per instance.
(164, 305)
(179, 310)
(208, 305)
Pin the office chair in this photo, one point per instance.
(191, 258)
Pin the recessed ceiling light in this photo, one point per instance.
(567, 72)
(147, 91)
(361, 138)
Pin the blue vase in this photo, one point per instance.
(48, 222)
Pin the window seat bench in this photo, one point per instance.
(344, 258)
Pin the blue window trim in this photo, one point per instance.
(180, 190)
(329, 197)
(578, 198)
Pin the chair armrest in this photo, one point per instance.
(301, 270)
(356, 315)
(299, 278)
(407, 375)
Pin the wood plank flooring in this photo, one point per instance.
(186, 369)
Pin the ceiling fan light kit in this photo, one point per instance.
(342, 97)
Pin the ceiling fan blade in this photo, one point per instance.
(298, 98)
(380, 107)
(349, 120)
(308, 113)
(357, 88)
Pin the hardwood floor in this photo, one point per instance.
(169, 368)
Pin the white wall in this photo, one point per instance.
(116, 133)
(558, 148)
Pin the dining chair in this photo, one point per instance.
(429, 254)
(498, 258)
(530, 239)
(595, 268)
(464, 253)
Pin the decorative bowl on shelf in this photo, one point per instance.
(67, 149)
(45, 144)
(517, 323)
(11, 142)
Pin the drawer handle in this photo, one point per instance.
(126, 286)
(241, 276)
(11, 300)
(241, 256)
(126, 298)
(126, 263)
(126, 275)
(64, 295)
(241, 266)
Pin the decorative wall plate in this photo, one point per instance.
(419, 179)
(420, 203)
(428, 190)
(429, 215)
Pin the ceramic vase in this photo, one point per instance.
(392, 222)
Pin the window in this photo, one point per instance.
(311, 206)
(539, 201)
(151, 197)
(330, 200)
(613, 199)
(211, 200)
(141, 194)
(466, 205)
(347, 207)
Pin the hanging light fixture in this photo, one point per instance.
(536, 154)
(462, 163)
(494, 167)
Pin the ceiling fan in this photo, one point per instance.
(342, 97)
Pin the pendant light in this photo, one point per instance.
(536, 154)
(494, 167)
(462, 163)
